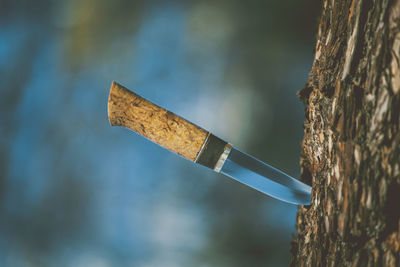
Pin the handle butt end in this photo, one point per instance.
(113, 108)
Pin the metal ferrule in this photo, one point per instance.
(213, 153)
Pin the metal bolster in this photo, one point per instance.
(213, 153)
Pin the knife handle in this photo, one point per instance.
(163, 127)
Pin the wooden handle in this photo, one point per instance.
(161, 126)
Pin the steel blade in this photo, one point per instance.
(265, 178)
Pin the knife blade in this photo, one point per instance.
(129, 110)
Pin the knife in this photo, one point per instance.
(127, 109)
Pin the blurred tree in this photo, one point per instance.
(351, 146)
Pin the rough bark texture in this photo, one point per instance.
(351, 146)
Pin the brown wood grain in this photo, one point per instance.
(161, 126)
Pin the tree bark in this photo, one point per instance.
(351, 145)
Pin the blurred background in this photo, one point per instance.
(76, 192)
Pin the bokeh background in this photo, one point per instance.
(76, 192)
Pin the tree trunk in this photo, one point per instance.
(351, 145)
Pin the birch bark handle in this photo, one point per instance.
(161, 126)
